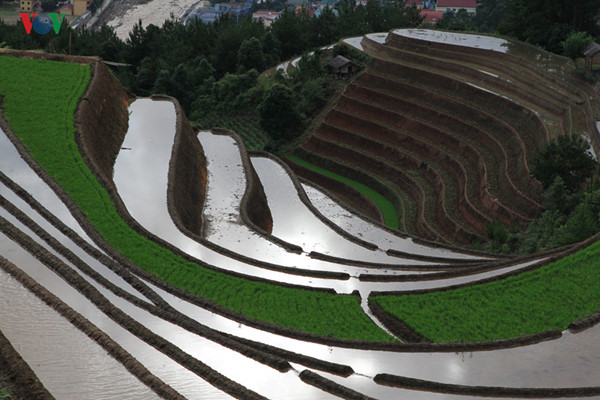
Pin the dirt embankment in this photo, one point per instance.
(187, 174)
(102, 119)
(254, 207)
(348, 196)
(22, 381)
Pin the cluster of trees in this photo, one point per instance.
(569, 176)
(546, 23)
(214, 69)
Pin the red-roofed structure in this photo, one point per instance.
(431, 17)
(266, 16)
(301, 9)
(444, 5)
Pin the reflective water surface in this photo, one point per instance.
(370, 232)
(294, 222)
(223, 224)
(457, 39)
(68, 363)
(141, 178)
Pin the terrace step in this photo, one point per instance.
(454, 178)
(445, 209)
(399, 181)
(508, 193)
(391, 135)
(531, 62)
(358, 202)
(347, 170)
(517, 168)
(414, 226)
(474, 95)
(527, 75)
(464, 74)
(527, 135)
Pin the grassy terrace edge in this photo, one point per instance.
(390, 216)
(40, 99)
(550, 297)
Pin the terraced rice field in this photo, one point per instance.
(135, 300)
(449, 129)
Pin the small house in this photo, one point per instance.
(266, 16)
(67, 9)
(455, 5)
(591, 54)
(341, 67)
(26, 6)
(80, 7)
(431, 17)
(327, 3)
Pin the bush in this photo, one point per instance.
(574, 45)
(566, 157)
(278, 114)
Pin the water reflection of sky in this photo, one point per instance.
(370, 232)
(142, 187)
(457, 39)
(223, 224)
(294, 222)
(65, 372)
(570, 361)
(67, 362)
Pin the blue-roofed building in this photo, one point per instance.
(207, 16)
(327, 3)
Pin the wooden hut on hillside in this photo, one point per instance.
(341, 67)
(591, 54)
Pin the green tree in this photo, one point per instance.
(48, 5)
(574, 45)
(271, 49)
(497, 234)
(293, 33)
(489, 14)
(163, 83)
(557, 197)
(278, 114)
(322, 28)
(459, 21)
(250, 55)
(566, 157)
(145, 77)
(582, 223)
(548, 22)
(540, 231)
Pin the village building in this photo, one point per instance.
(266, 16)
(341, 67)
(67, 9)
(455, 5)
(80, 7)
(592, 55)
(327, 3)
(431, 16)
(26, 6)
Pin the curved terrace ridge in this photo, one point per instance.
(213, 324)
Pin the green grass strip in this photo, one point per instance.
(4, 393)
(549, 297)
(390, 216)
(40, 98)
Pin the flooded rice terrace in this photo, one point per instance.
(196, 352)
